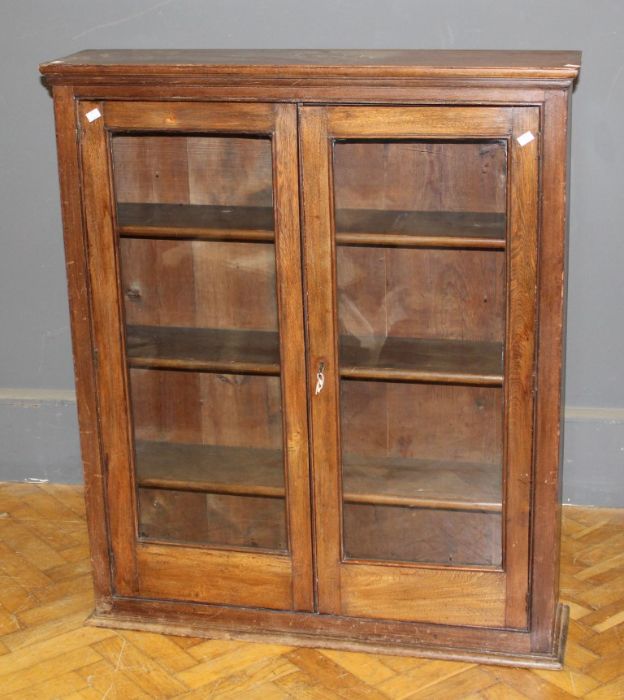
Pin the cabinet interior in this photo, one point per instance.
(421, 294)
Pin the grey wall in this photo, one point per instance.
(38, 435)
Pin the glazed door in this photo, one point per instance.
(193, 235)
(420, 226)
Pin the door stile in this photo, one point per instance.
(520, 361)
(109, 348)
(322, 358)
(292, 352)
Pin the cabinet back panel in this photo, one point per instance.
(216, 409)
(151, 272)
(193, 169)
(453, 294)
(150, 169)
(236, 285)
(424, 421)
(212, 519)
(199, 284)
(417, 535)
(420, 176)
(164, 405)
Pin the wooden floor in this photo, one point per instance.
(47, 652)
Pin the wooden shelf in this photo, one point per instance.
(204, 349)
(367, 480)
(420, 229)
(195, 221)
(239, 471)
(361, 227)
(422, 360)
(417, 483)
(257, 352)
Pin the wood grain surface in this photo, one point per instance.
(303, 62)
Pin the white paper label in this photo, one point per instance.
(525, 138)
(93, 114)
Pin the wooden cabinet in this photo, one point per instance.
(317, 312)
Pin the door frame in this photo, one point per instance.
(215, 576)
(417, 592)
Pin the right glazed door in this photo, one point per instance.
(420, 228)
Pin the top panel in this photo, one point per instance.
(289, 63)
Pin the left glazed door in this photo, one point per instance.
(192, 223)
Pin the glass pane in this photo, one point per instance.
(422, 472)
(197, 257)
(211, 443)
(420, 266)
(438, 189)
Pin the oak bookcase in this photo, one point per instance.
(317, 304)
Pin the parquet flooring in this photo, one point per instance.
(47, 652)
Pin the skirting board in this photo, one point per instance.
(593, 455)
(39, 436)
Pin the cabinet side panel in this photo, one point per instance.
(82, 342)
(548, 441)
